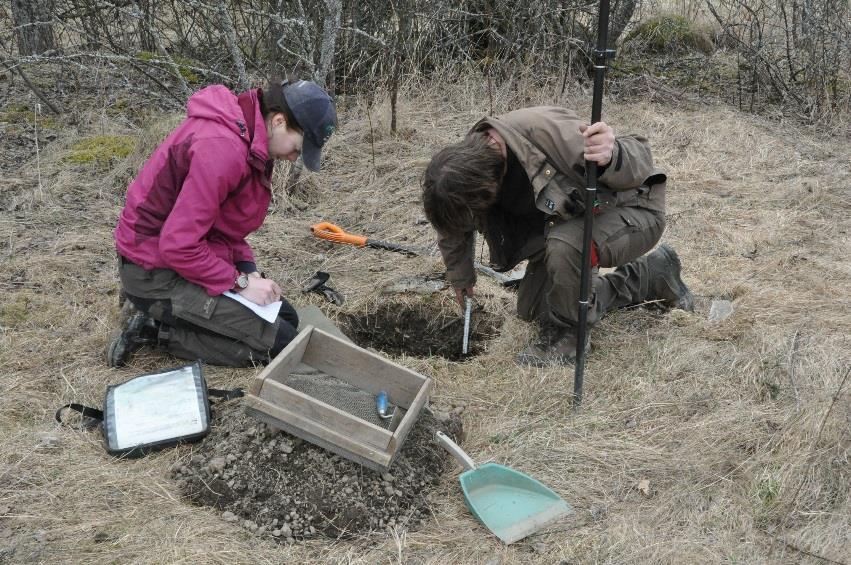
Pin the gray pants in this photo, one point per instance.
(215, 329)
(550, 289)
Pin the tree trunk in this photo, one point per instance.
(146, 39)
(398, 61)
(34, 26)
(621, 15)
(232, 42)
(273, 52)
(330, 26)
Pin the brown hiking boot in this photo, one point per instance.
(556, 345)
(139, 330)
(666, 284)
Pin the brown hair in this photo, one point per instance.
(461, 182)
(272, 101)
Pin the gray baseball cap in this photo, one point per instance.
(316, 115)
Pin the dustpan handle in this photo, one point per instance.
(459, 454)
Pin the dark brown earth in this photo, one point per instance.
(420, 331)
(276, 485)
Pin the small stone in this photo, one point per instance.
(389, 490)
(720, 310)
(387, 477)
(101, 537)
(229, 517)
(442, 416)
(276, 533)
(49, 440)
(348, 490)
(230, 458)
(217, 464)
(286, 448)
(286, 531)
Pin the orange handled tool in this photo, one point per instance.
(336, 234)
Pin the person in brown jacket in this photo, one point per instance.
(519, 179)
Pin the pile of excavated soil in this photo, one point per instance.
(275, 484)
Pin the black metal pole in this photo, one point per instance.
(601, 60)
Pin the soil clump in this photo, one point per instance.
(395, 328)
(277, 485)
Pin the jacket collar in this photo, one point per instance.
(258, 140)
(532, 159)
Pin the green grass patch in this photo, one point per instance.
(24, 114)
(668, 33)
(101, 149)
(767, 488)
(15, 312)
(184, 65)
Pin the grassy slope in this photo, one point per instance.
(733, 425)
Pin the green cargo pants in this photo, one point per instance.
(215, 329)
(550, 288)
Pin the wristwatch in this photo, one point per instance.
(241, 282)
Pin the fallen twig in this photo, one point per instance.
(791, 365)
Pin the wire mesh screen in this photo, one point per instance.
(339, 394)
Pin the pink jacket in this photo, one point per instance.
(204, 189)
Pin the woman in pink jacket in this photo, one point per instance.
(181, 235)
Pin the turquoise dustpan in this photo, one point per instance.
(510, 504)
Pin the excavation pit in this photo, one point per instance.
(419, 330)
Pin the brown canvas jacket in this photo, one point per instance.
(550, 148)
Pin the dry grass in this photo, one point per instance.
(741, 428)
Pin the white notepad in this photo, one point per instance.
(268, 312)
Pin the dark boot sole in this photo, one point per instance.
(685, 299)
(112, 355)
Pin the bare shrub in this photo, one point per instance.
(795, 52)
